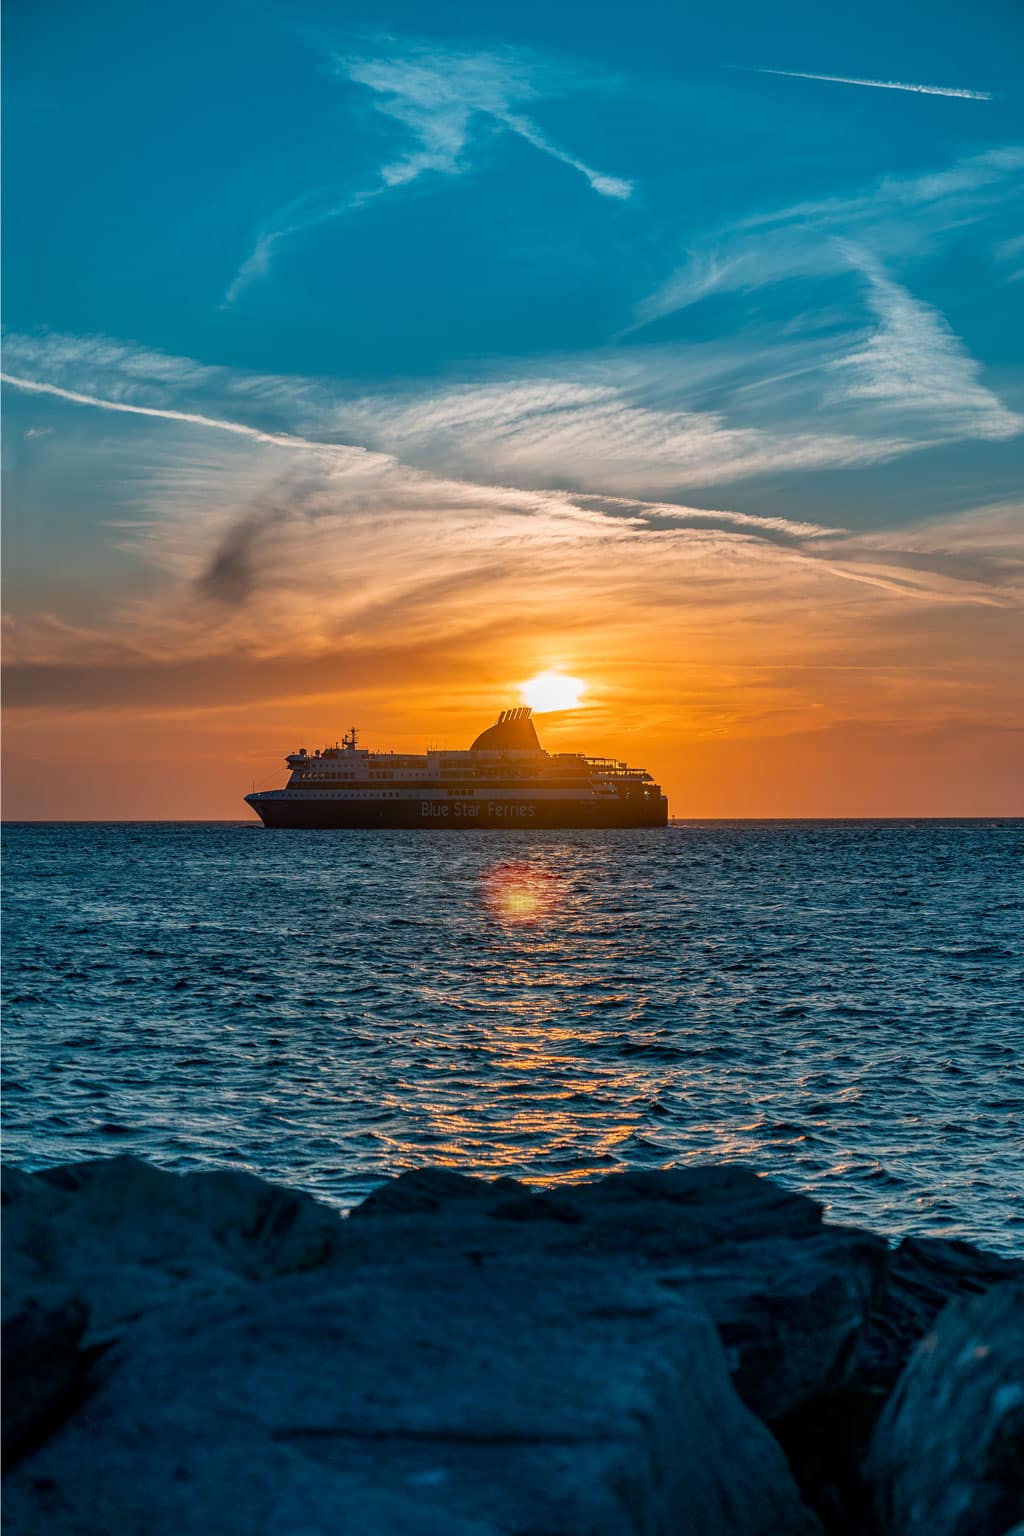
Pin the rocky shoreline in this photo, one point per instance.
(692, 1351)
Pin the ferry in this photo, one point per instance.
(505, 780)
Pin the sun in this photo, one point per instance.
(551, 691)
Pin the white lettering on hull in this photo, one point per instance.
(467, 808)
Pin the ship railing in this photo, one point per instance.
(616, 770)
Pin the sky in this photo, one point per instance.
(363, 361)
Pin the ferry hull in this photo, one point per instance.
(281, 811)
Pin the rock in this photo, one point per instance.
(947, 1458)
(923, 1276)
(252, 1227)
(44, 1371)
(475, 1357)
(474, 1396)
(790, 1295)
(128, 1237)
(828, 1438)
(425, 1190)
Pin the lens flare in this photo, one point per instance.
(551, 691)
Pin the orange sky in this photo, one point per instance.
(114, 767)
(819, 696)
(253, 597)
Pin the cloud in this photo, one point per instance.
(606, 186)
(288, 549)
(442, 100)
(230, 575)
(897, 372)
(881, 85)
(672, 514)
(609, 426)
(257, 263)
(438, 96)
(916, 368)
(610, 431)
(539, 421)
(896, 217)
(1011, 250)
(594, 431)
(89, 361)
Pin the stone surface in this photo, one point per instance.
(923, 1276)
(471, 1357)
(947, 1457)
(475, 1397)
(127, 1237)
(790, 1295)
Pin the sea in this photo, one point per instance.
(838, 1005)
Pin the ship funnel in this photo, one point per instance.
(513, 731)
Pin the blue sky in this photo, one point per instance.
(289, 289)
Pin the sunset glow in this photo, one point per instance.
(552, 691)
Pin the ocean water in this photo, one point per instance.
(837, 1004)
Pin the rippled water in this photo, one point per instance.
(837, 1004)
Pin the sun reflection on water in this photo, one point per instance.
(517, 891)
(529, 1082)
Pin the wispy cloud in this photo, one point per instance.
(613, 425)
(621, 425)
(880, 85)
(437, 96)
(905, 374)
(593, 427)
(895, 217)
(914, 366)
(278, 541)
(590, 430)
(1011, 251)
(442, 100)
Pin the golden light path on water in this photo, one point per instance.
(537, 1093)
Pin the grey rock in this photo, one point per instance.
(947, 1458)
(461, 1355)
(923, 1276)
(479, 1397)
(791, 1296)
(248, 1225)
(426, 1190)
(128, 1237)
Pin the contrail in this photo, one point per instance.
(190, 418)
(881, 85)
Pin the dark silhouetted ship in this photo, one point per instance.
(506, 779)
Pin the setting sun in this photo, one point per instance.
(551, 691)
